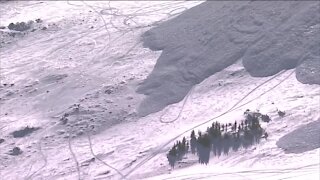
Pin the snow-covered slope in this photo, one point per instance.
(267, 36)
(76, 81)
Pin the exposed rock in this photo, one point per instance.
(24, 132)
(103, 173)
(15, 151)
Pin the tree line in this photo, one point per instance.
(220, 139)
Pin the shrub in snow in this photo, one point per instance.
(281, 113)
(265, 118)
(15, 151)
(39, 20)
(20, 26)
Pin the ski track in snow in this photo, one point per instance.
(77, 65)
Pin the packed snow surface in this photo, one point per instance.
(75, 84)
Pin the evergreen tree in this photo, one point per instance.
(193, 135)
(211, 131)
(217, 126)
(184, 141)
(218, 139)
(184, 144)
(193, 142)
(173, 151)
(172, 156)
(234, 126)
(206, 140)
(208, 130)
(255, 125)
(246, 122)
(180, 147)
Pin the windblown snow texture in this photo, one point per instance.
(305, 138)
(268, 36)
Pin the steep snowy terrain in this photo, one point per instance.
(267, 37)
(75, 78)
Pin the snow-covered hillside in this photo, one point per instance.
(83, 74)
(267, 37)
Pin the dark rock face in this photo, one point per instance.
(268, 36)
(24, 132)
(15, 151)
(305, 138)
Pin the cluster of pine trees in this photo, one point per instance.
(179, 149)
(220, 138)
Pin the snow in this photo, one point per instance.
(302, 139)
(268, 37)
(90, 76)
